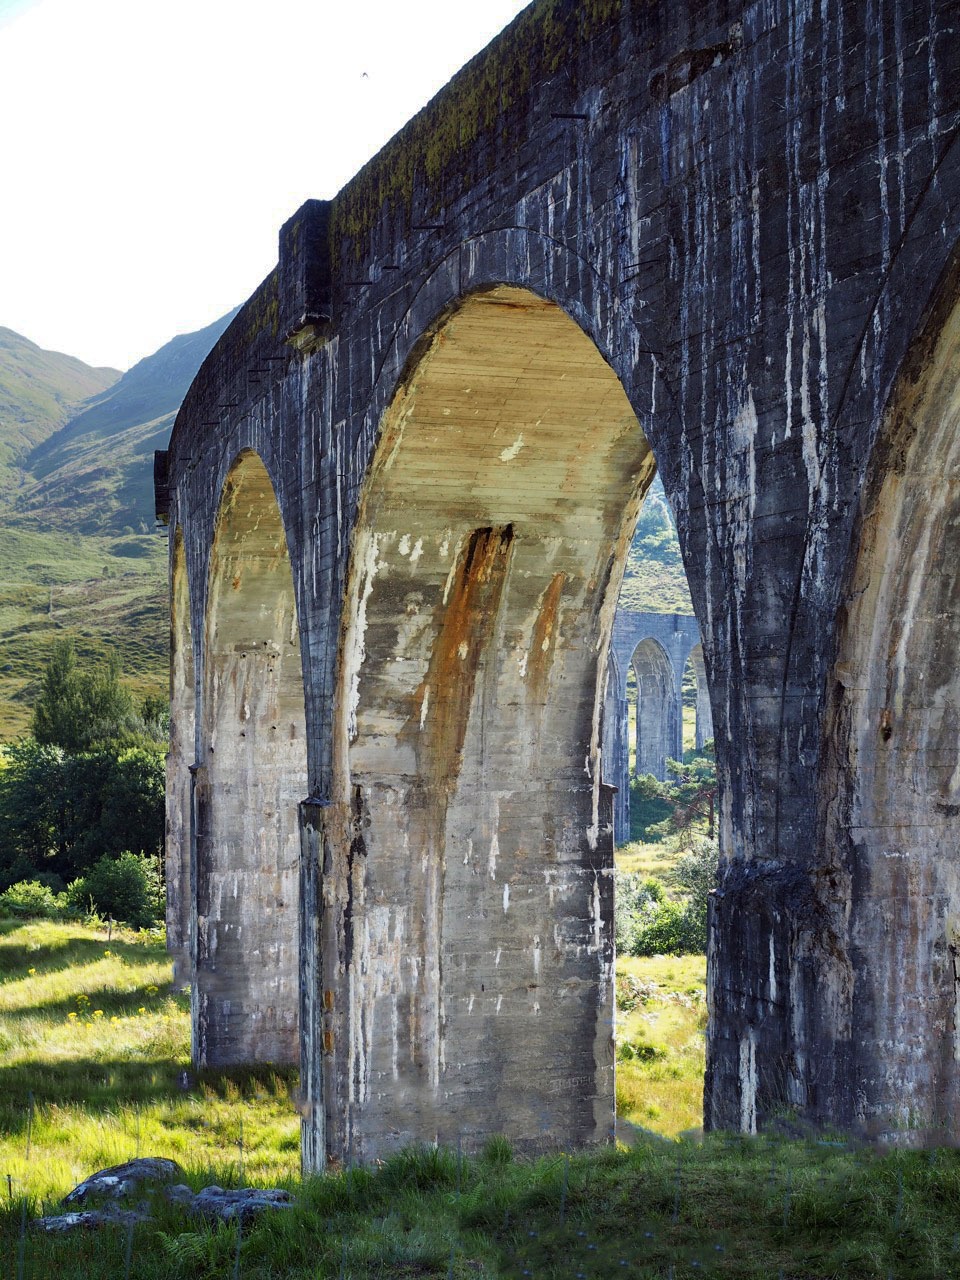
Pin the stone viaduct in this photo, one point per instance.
(658, 647)
(400, 494)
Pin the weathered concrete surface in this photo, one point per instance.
(750, 209)
(249, 779)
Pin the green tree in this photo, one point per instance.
(127, 888)
(61, 811)
(695, 875)
(32, 798)
(691, 793)
(79, 709)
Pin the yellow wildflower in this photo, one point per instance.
(98, 1013)
(72, 1017)
(142, 1009)
(114, 1019)
(31, 971)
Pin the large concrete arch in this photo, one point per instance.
(474, 895)
(668, 641)
(658, 711)
(895, 747)
(751, 239)
(250, 779)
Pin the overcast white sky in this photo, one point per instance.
(150, 151)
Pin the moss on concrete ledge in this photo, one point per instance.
(484, 100)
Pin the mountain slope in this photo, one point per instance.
(77, 554)
(39, 393)
(94, 475)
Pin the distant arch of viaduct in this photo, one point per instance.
(400, 494)
(657, 648)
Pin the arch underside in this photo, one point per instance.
(658, 729)
(898, 754)
(474, 846)
(250, 779)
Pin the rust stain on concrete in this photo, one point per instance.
(441, 704)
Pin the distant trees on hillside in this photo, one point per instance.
(88, 784)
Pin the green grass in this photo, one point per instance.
(105, 1088)
(649, 858)
(93, 1039)
(661, 1025)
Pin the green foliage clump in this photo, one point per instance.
(81, 709)
(691, 793)
(647, 922)
(30, 899)
(89, 784)
(60, 812)
(127, 888)
(648, 807)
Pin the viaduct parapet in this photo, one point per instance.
(719, 239)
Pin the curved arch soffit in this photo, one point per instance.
(657, 659)
(459, 393)
(247, 465)
(899, 618)
(508, 258)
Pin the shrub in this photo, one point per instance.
(30, 898)
(673, 930)
(647, 924)
(636, 901)
(127, 889)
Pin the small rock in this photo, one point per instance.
(87, 1218)
(214, 1202)
(123, 1180)
(179, 1193)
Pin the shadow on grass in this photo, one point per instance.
(18, 958)
(111, 1000)
(110, 1084)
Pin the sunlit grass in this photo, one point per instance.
(656, 860)
(104, 1091)
(661, 1023)
(95, 1066)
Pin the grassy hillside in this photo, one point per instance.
(654, 580)
(95, 474)
(79, 551)
(39, 393)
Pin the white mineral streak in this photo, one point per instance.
(452, 574)
(597, 916)
(743, 438)
(366, 560)
(772, 978)
(748, 1083)
(506, 897)
(642, 476)
(494, 837)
